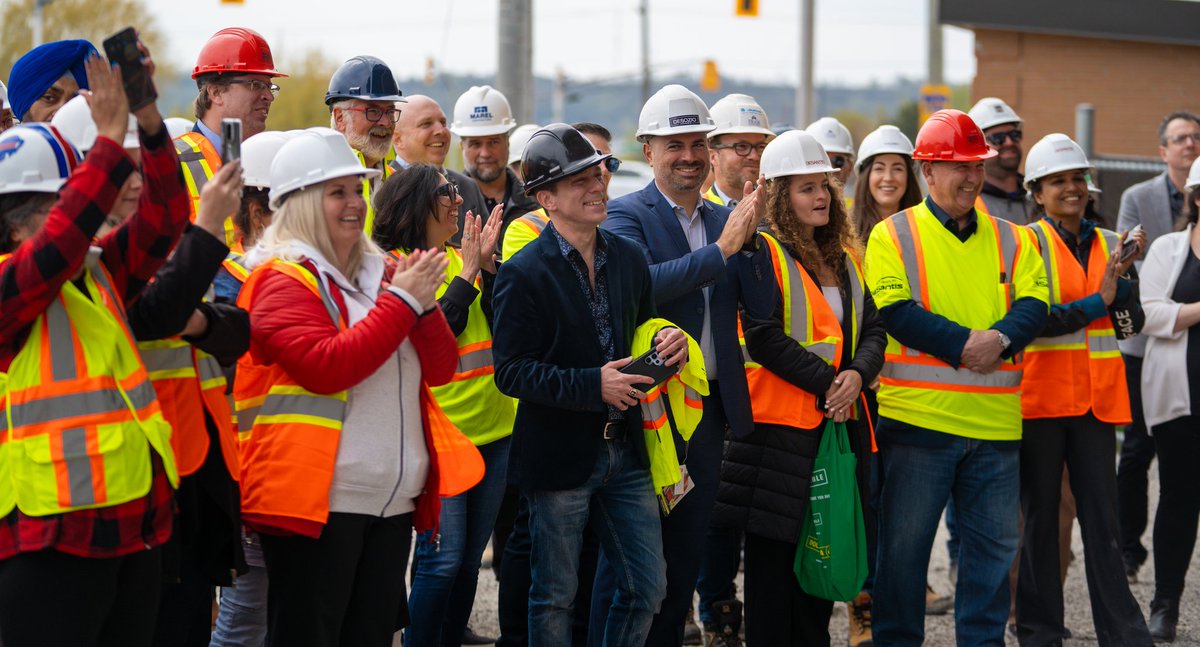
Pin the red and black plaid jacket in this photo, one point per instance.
(31, 279)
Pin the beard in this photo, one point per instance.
(485, 175)
(682, 184)
(373, 147)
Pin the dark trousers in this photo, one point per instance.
(1087, 447)
(1178, 444)
(185, 610)
(718, 569)
(1137, 451)
(778, 611)
(51, 599)
(683, 531)
(344, 588)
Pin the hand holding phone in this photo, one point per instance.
(231, 140)
(124, 49)
(651, 365)
(1132, 244)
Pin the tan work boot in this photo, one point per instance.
(858, 612)
(937, 604)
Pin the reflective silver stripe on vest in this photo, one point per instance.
(245, 418)
(327, 300)
(304, 405)
(947, 375)
(692, 394)
(535, 222)
(71, 405)
(192, 159)
(1102, 343)
(62, 348)
(1047, 260)
(1078, 337)
(172, 358)
(208, 367)
(1008, 248)
(746, 359)
(652, 411)
(908, 254)
(475, 359)
(79, 466)
(824, 350)
(856, 295)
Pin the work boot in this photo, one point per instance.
(724, 631)
(1164, 615)
(469, 637)
(691, 630)
(858, 612)
(937, 605)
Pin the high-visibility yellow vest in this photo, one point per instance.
(369, 222)
(912, 255)
(713, 196)
(810, 321)
(522, 231)
(470, 398)
(1069, 374)
(199, 161)
(80, 413)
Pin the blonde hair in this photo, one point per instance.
(829, 241)
(301, 219)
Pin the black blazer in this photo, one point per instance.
(547, 355)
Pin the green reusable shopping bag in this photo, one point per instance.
(831, 557)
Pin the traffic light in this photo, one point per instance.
(710, 80)
(745, 8)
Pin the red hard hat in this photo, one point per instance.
(951, 136)
(236, 50)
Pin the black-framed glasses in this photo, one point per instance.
(743, 148)
(997, 139)
(375, 114)
(612, 164)
(257, 85)
(448, 191)
(838, 161)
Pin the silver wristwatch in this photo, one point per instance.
(1005, 342)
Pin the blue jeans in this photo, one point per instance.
(447, 572)
(984, 478)
(619, 498)
(719, 568)
(242, 620)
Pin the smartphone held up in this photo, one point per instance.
(122, 49)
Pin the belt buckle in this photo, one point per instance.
(614, 430)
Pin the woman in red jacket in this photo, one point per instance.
(340, 461)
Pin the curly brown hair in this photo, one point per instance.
(829, 241)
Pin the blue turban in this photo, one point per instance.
(36, 71)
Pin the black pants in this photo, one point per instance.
(1087, 447)
(1178, 444)
(345, 588)
(1137, 451)
(51, 599)
(778, 612)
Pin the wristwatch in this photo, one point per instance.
(1005, 342)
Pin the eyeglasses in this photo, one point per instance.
(742, 148)
(257, 86)
(375, 114)
(1179, 139)
(838, 161)
(448, 191)
(612, 164)
(997, 139)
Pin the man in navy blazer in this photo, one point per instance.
(566, 309)
(705, 261)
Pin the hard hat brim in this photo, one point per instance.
(1030, 179)
(482, 131)
(955, 158)
(680, 130)
(741, 130)
(345, 171)
(44, 186)
(577, 167)
(221, 69)
(907, 154)
(331, 98)
(824, 168)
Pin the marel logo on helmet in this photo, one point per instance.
(685, 120)
(12, 145)
(481, 112)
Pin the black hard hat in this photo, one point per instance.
(363, 77)
(555, 152)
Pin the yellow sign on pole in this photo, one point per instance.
(933, 98)
(233, 1)
(746, 8)
(710, 80)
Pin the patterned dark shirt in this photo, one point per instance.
(597, 298)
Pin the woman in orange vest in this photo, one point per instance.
(343, 450)
(805, 366)
(1073, 395)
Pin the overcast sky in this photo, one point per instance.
(857, 41)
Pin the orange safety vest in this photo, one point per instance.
(1065, 376)
(290, 435)
(199, 161)
(235, 264)
(808, 319)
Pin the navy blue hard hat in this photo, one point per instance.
(363, 77)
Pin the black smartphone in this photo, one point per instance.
(122, 49)
(1131, 248)
(231, 140)
(649, 364)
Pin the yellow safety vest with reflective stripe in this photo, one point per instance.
(471, 399)
(973, 283)
(235, 264)
(369, 222)
(199, 161)
(1070, 374)
(713, 196)
(522, 231)
(80, 414)
(809, 320)
(683, 393)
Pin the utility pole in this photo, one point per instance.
(935, 76)
(804, 89)
(514, 70)
(559, 103)
(644, 12)
(37, 21)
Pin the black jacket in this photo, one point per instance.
(765, 476)
(548, 357)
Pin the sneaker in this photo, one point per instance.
(713, 637)
(469, 637)
(858, 612)
(691, 630)
(937, 605)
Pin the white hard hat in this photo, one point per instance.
(990, 111)
(4, 97)
(795, 152)
(518, 139)
(257, 154)
(739, 113)
(1091, 182)
(673, 110)
(482, 111)
(884, 139)
(177, 126)
(1193, 178)
(35, 157)
(1054, 153)
(833, 135)
(74, 121)
(312, 157)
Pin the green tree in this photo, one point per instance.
(907, 118)
(65, 19)
(301, 101)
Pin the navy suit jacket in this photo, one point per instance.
(680, 275)
(547, 355)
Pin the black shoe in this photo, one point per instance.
(1131, 571)
(691, 630)
(725, 631)
(1164, 615)
(469, 637)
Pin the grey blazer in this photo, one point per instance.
(1149, 205)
